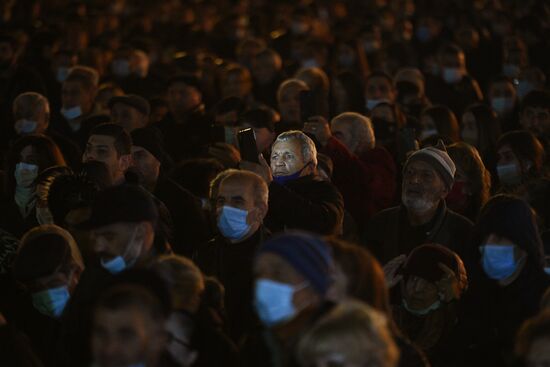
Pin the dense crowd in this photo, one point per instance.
(308, 183)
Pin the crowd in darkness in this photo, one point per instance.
(289, 183)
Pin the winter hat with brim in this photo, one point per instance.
(439, 159)
(307, 253)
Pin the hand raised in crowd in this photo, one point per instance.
(227, 154)
(319, 127)
(262, 169)
(448, 285)
(391, 270)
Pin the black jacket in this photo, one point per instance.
(189, 224)
(389, 233)
(231, 264)
(306, 203)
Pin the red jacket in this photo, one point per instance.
(367, 182)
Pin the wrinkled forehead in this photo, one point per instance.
(292, 146)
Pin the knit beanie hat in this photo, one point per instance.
(307, 253)
(439, 159)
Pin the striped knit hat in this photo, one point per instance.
(439, 159)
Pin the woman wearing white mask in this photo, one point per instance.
(29, 156)
(506, 267)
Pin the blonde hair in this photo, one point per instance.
(353, 333)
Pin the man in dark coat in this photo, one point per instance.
(241, 206)
(150, 160)
(423, 217)
(297, 198)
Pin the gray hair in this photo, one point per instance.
(309, 152)
(259, 187)
(361, 127)
(26, 105)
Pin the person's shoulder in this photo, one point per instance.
(459, 220)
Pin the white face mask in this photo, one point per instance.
(25, 126)
(71, 113)
(426, 133)
(25, 174)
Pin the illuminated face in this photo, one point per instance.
(102, 148)
(73, 95)
(287, 158)
(422, 187)
(125, 337)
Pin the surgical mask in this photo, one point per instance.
(509, 174)
(44, 216)
(115, 265)
(51, 302)
(524, 87)
(371, 103)
(310, 63)
(547, 270)
(426, 133)
(273, 301)
(452, 75)
(498, 261)
(25, 126)
(118, 263)
(423, 34)
(61, 74)
(283, 180)
(71, 113)
(422, 312)
(510, 70)
(25, 174)
(120, 68)
(232, 223)
(502, 105)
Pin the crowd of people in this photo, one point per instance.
(313, 183)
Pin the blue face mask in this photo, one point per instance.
(232, 223)
(283, 180)
(51, 302)
(434, 306)
(71, 113)
(452, 75)
(114, 266)
(25, 126)
(62, 74)
(509, 174)
(498, 261)
(502, 105)
(119, 263)
(273, 301)
(371, 103)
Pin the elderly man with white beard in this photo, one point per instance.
(422, 217)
